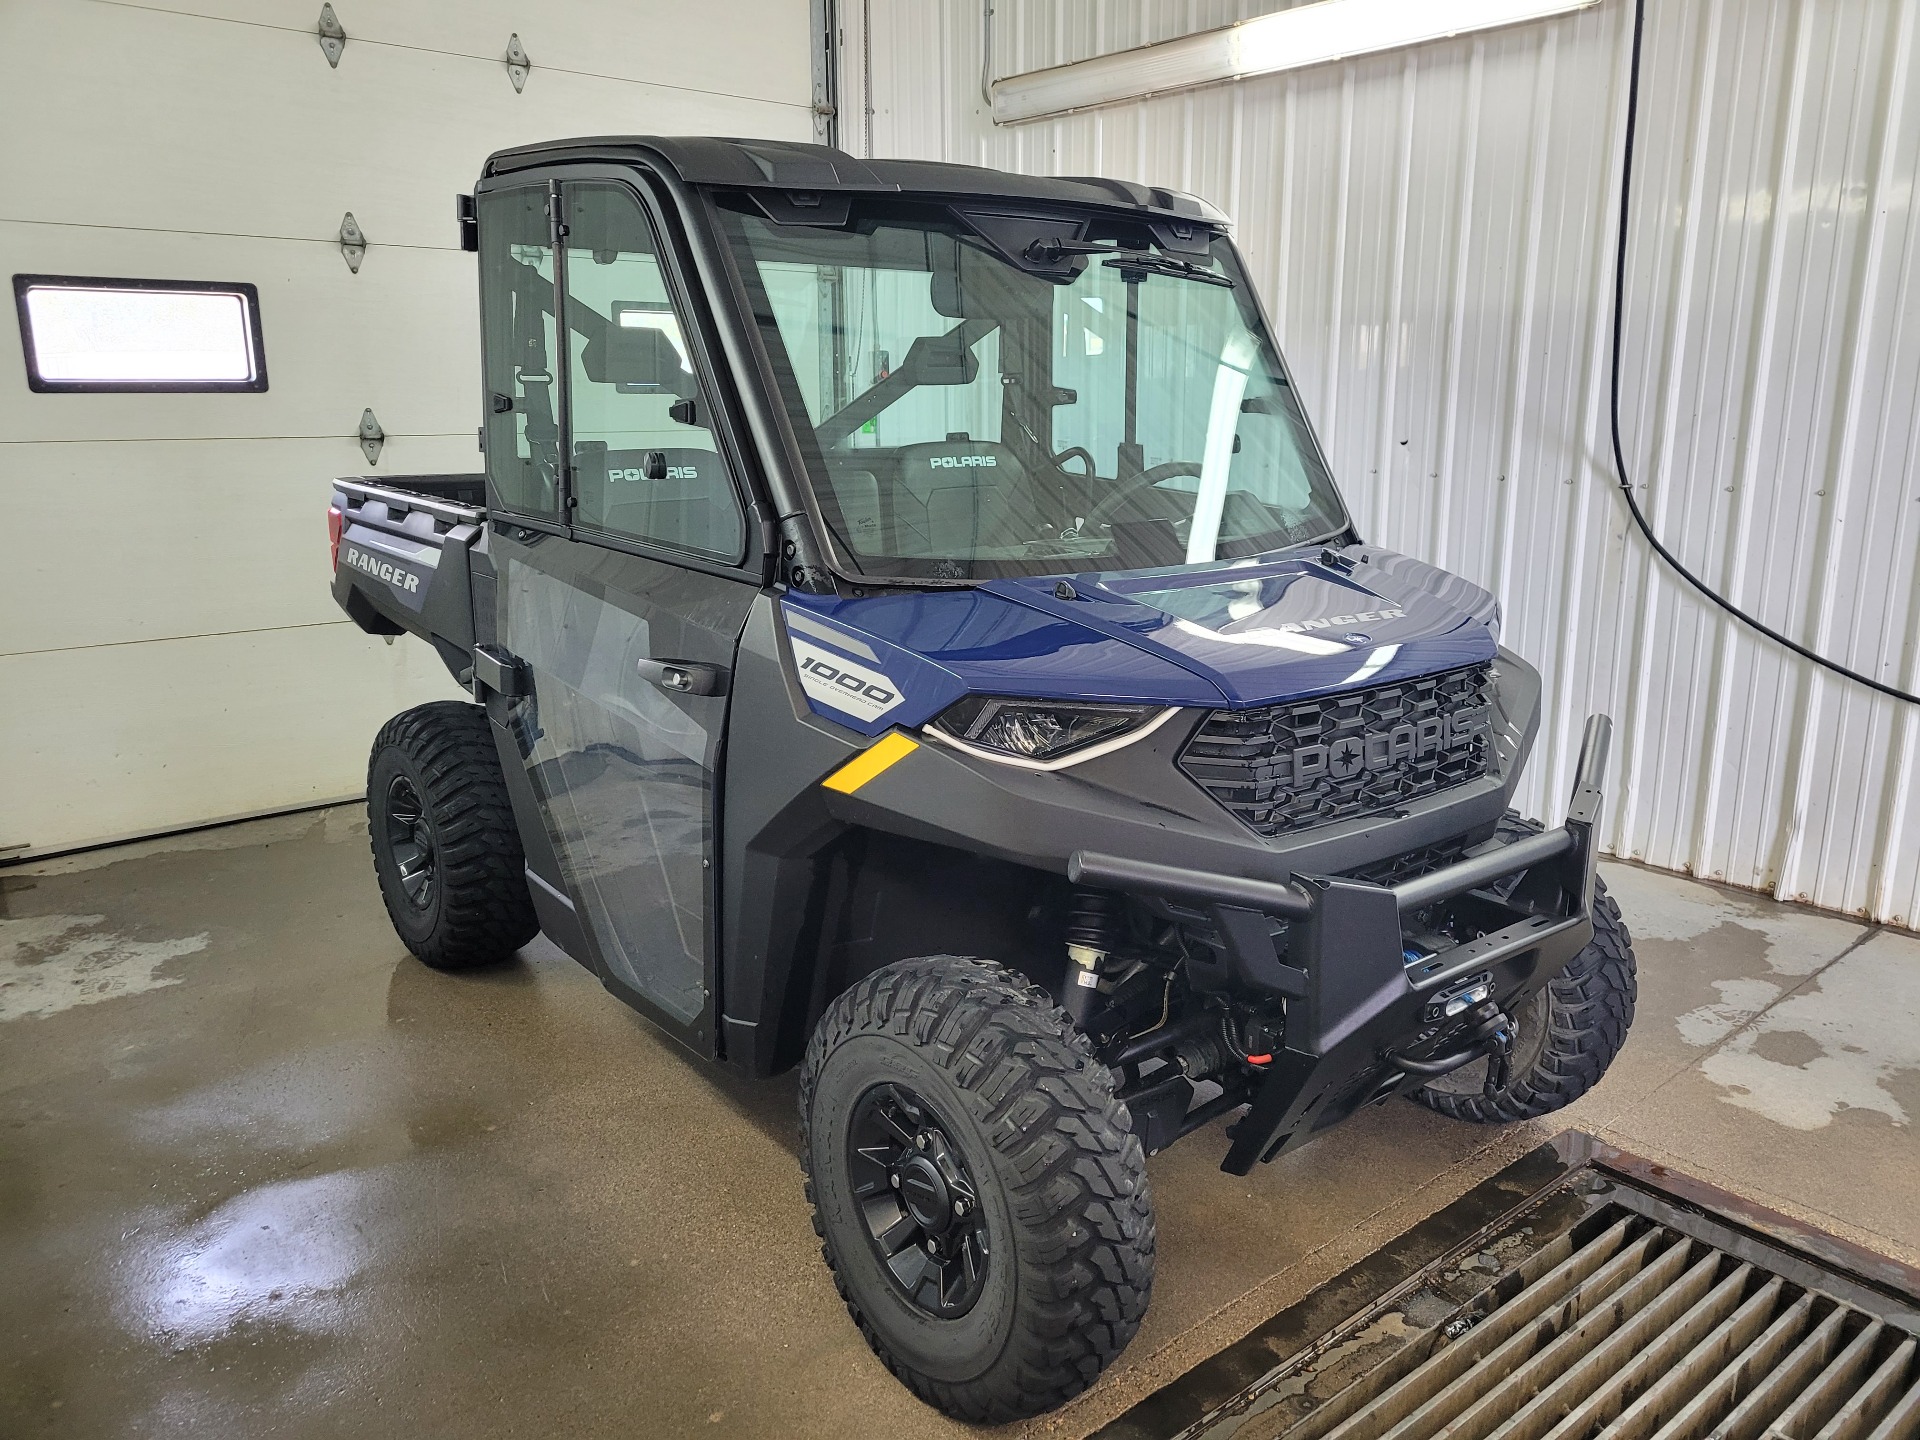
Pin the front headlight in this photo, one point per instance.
(1038, 730)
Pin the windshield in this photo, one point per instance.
(1028, 404)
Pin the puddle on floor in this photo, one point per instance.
(1835, 1046)
(286, 1256)
(50, 963)
(1789, 943)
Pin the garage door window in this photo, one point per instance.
(90, 333)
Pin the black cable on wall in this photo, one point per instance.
(1619, 450)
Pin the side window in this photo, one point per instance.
(644, 459)
(517, 316)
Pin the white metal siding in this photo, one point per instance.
(169, 652)
(1431, 230)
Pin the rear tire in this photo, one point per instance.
(1566, 1036)
(445, 846)
(1048, 1235)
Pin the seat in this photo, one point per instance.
(692, 508)
(939, 499)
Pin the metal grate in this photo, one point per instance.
(1599, 1311)
(1284, 768)
(1638, 1332)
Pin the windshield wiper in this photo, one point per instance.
(1132, 263)
(1140, 262)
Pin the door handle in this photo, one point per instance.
(685, 677)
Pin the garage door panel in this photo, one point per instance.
(332, 347)
(644, 41)
(187, 731)
(182, 538)
(169, 642)
(261, 138)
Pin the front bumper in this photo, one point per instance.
(1350, 991)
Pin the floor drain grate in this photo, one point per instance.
(1612, 1300)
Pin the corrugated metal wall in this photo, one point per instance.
(1432, 229)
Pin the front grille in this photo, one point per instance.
(1423, 861)
(1285, 768)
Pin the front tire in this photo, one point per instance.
(949, 1110)
(444, 843)
(1567, 1035)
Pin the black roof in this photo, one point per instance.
(787, 165)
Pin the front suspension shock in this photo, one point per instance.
(1093, 935)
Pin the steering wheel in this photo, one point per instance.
(1104, 509)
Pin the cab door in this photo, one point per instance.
(620, 555)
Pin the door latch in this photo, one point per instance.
(684, 677)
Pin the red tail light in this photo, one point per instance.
(335, 522)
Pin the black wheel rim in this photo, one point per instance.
(410, 842)
(918, 1201)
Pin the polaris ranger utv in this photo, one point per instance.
(913, 636)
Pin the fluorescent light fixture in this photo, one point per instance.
(1306, 35)
(82, 333)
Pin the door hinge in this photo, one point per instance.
(498, 671)
(518, 65)
(353, 243)
(333, 39)
(372, 437)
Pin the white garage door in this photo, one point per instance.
(169, 653)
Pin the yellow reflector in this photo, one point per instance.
(887, 751)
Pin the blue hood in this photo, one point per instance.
(1235, 635)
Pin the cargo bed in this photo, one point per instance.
(406, 553)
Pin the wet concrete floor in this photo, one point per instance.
(261, 1173)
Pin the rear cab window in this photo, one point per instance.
(518, 345)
